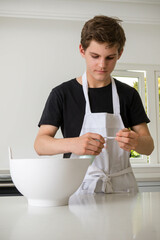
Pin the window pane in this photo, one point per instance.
(133, 82)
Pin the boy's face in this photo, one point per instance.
(100, 62)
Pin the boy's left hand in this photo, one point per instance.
(127, 139)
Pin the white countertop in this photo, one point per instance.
(99, 217)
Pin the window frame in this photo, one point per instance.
(136, 74)
(157, 75)
(152, 89)
(141, 89)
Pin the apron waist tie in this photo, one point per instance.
(98, 174)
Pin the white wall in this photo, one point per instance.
(143, 44)
(36, 55)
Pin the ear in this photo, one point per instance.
(120, 54)
(81, 50)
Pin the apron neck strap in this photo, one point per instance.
(115, 97)
(85, 91)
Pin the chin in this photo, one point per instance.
(101, 78)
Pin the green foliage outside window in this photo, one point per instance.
(134, 154)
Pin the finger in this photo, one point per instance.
(95, 146)
(123, 132)
(96, 136)
(125, 140)
(125, 147)
(90, 152)
(94, 149)
(127, 134)
(97, 143)
(127, 143)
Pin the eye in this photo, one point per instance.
(94, 56)
(110, 58)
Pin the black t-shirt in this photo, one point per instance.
(65, 106)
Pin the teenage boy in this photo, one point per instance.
(95, 109)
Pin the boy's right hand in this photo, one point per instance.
(88, 144)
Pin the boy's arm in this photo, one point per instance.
(138, 139)
(47, 144)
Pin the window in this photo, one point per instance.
(146, 79)
(137, 80)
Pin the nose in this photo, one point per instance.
(102, 63)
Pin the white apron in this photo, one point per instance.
(110, 171)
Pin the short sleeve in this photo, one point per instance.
(53, 110)
(137, 114)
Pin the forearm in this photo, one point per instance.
(47, 145)
(86, 144)
(138, 139)
(145, 145)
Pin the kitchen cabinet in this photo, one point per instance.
(95, 217)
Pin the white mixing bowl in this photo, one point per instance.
(48, 181)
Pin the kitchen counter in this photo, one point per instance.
(98, 217)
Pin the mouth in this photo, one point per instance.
(101, 71)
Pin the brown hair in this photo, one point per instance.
(103, 29)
